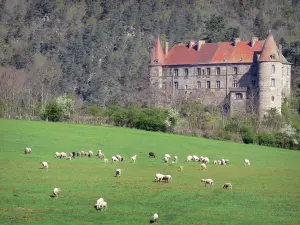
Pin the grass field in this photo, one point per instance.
(267, 192)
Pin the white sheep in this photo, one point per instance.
(223, 162)
(154, 218)
(205, 160)
(63, 155)
(57, 155)
(247, 162)
(45, 165)
(208, 181)
(56, 191)
(105, 160)
(27, 150)
(189, 158)
(100, 154)
(195, 158)
(227, 186)
(69, 158)
(102, 205)
(119, 157)
(167, 178)
(118, 172)
(133, 158)
(90, 153)
(203, 166)
(98, 203)
(158, 177)
(168, 156)
(114, 159)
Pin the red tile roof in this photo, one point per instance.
(158, 53)
(216, 53)
(269, 49)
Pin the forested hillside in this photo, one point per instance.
(98, 51)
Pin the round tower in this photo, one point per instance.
(157, 61)
(269, 78)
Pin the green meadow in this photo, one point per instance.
(267, 192)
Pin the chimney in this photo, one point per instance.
(166, 48)
(191, 44)
(253, 40)
(236, 41)
(280, 48)
(200, 43)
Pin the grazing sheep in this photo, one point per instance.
(119, 157)
(118, 172)
(166, 159)
(98, 203)
(189, 158)
(27, 150)
(195, 158)
(101, 154)
(216, 161)
(105, 160)
(56, 192)
(78, 154)
(69, 158)
(205, 160)
(114, 159)
(203, 166)
(133, 158)
(223, 162)
(82, 153)
(73, 154)
(227, 186)
(226, 161)
(247, 162)
(57, 155)
(175, 159)
(45, 165)
(168, 156)
(181, 168)
(63, 155)
(90, 153)
(151, 154)
(158, 177)
(208, 181)
(167, 178)
(154, 218)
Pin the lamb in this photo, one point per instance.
(203, 166)
(56, 192)
(57, 155)
(154, 218)
(118, 172)
(151, 154)
(247, 162)
(101, 154)
(114, 159)
(45, 165)
(166, 159)
(175, 159)
(133, 158)
(227, 186)
(195, 158)
(208, 181)
(105, 160)
(189, 158)
(119, 157)
(27, 150)
(167, 156)
(205, 160)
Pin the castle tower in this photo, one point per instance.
(269, 77)
(157, 61)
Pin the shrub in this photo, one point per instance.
(52, 112)
(267, 139)
(247, 134)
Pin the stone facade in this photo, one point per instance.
(241, 85)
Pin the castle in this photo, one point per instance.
(241, 76)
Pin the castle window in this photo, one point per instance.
(170, 72)
(198, 84)
(207, 84)
(203, 72)
(198, 71)
(176, 85)
(235, 70)
(176, 72)
(218, 84)
(238, 96)
(272, 82)
(208, 71)
(186, 72)
(253, 83)
(218, 72)
(272, 98)
(186, 86)
(235, 83)
(273, 68)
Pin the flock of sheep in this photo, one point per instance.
(102, 205)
